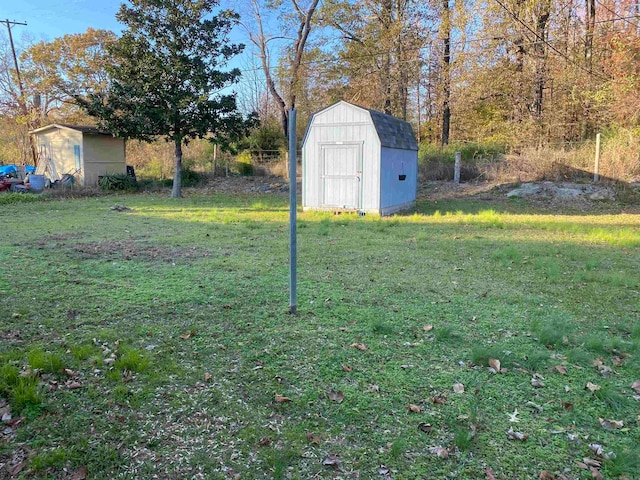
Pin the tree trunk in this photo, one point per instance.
(590, 22)
(446, 71)
(540, 51)
(386, 20)
(176, 191)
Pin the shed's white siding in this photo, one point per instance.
(102, 155)
(346, 125)
(352, 159)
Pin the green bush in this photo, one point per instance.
(244, 163)
(189, 178)
(118, 182)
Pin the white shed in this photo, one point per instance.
(84, 152)
(358, 159)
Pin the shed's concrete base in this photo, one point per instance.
(384, 212)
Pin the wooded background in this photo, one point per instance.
(530, 81)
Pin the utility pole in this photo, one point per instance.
(22, 101)
(8, 23)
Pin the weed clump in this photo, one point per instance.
(46, 362)
(24, 394)
(132, 360)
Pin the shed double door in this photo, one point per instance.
(341, 175)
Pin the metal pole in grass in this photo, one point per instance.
(293, 246)
(596, 167)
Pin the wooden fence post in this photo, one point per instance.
(596, 167)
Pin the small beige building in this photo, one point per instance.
(84, 152)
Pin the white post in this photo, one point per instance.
(286, 162)
(215, 158)
(456, 172)
(596, 167)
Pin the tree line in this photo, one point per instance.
(506, 72)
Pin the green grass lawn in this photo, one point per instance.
(152, 343)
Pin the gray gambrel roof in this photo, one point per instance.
(393, 132)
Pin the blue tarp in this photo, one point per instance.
(12, 169)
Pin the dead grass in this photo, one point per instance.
(619, 162)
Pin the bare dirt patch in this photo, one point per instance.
(132, 250)
(238, 185)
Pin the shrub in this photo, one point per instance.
(244, 163)
(118, 182)
(189, 178)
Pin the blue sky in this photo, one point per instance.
(48, 19)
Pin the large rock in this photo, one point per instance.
(526, 190)
(563, 191)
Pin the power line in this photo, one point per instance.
(515, 17)
(625, 19)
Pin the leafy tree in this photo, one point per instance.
(267, 137)
(165, 75)
(70, 65)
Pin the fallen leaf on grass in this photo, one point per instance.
(73, 385)
(567, 406)
(592, 387)
(438, 399)
(424, 427)
(458, 387)
(359, 346)
(414, 408)
(334, 396)
(16, 469)
(536, 383)
(265, 441)
(281, 398)
(562, 370)
(347, 368)
(495, 364)
(427, 328)
(610, 424)
(596, 448)
(441, 452)
(595, 473)
(313, 439)
(588, 463)
(617, 361)
(488, 474)
(597, 362)
(188, 335)
(207, 377)
(636, 386)
(332, 460)
(513, 417)
(511, 435)
(547, 475)
(80, 474)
